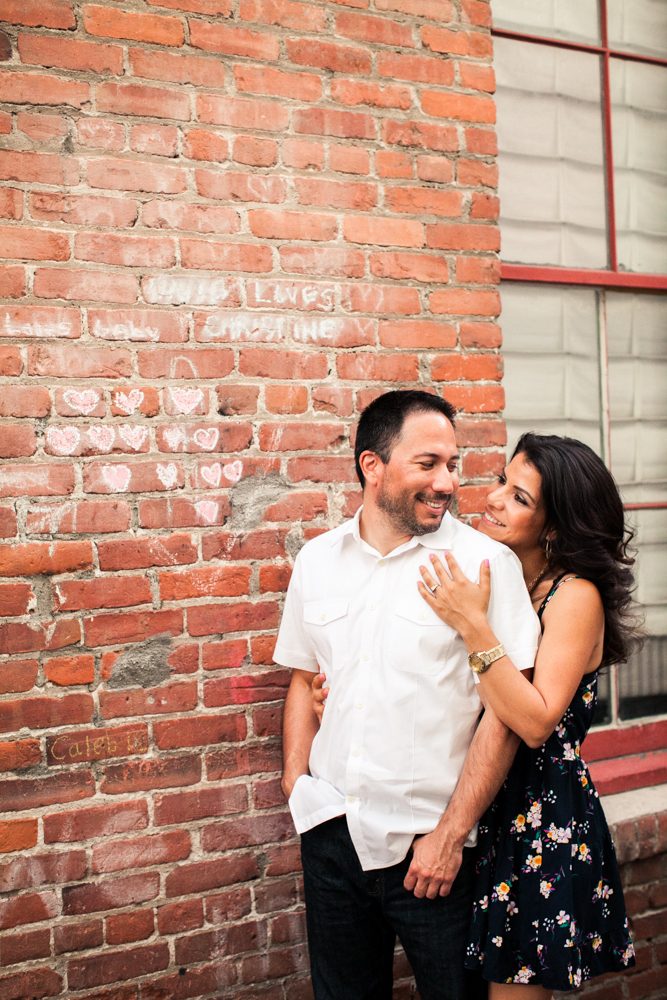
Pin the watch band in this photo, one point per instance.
(480, 662)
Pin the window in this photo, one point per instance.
(582, 115)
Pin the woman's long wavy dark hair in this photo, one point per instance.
(586, 525)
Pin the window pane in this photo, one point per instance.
(551, 185)
(550, 347)
(643, 681)
(640, 26)
(639, 131)
(576, 20)
(637, 347)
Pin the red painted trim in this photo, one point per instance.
(648, 505)
(608, 156)
(602, 744)
(565, 43)
(612, 776)
(575, 276)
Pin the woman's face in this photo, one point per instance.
(514, 511)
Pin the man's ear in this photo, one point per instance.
(371, 466)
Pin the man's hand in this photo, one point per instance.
(436, 860)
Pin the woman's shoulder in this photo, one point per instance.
(569, 595)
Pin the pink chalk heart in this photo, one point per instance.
(233, 471)
(175, 437)
(128, 402)
(63, 440)
(117, 477)
(206, 438)
(102, 437)
(186, 400)
(207, 510)
(167, 474)
(133, 436)
(84, 401)
(211, 474)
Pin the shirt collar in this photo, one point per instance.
(440, 539)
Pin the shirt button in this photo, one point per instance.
(359, 705)
(323, 618)
(365, 657)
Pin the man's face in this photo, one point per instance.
(420, 479)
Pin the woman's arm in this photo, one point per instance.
(573, 628)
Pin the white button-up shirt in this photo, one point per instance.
(402, 705)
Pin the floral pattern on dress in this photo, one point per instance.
(548, 904)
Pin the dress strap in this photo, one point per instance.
(563, 578)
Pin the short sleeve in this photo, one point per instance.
(511, 614)
(294, 647)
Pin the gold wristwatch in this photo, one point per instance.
(480, 662)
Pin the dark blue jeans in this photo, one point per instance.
(353, 919)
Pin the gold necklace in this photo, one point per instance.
(532, 586)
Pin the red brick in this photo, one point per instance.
(44, 557)
(464, 302)
(135, 626)
(410, 266)
(254, 152)
(25, 401)
(100, 133)
(42, 128)
(69, 670)
(108, 592)
(176, 67)
(42, 88)
(141, 852)
(45, 712)
(19, 794)
(8, 522)
(34, 322)
(113, 966)
(15, 598)
(329, 469)
(148, 774)
(19, 754)
(234, 186)
(16, 835)
(277, 83)
(110, 22)
(416, 68)
(40, 168)
(134, 175)
(183, 807)
(20, 637)
(383, 231)
(97, 821)
(11, 204)
(70, 53)
(168, 699)
(202, 731)
(471, 367)
(118, 892)
(273, 364)
(138, 99)
(203, 875)
(210, 619)
(421, 135)
(78, 936)
(138, 553)
(36, 982)
(245, 690)
(286, 13)
(92, 286)
(325, 121)
(160, 140)
(12, 282)
(85, 210)
(39, 14)
(245, 832)
(26, 871)
(222, 581)
(225, 654)
(93, 744)
(126, 927)
(180, 917)
(234, 41)
(185, 364)
(180, 512)
(29, 908)
(24, 947)
(124, 250)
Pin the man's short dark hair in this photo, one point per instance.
(381, 423)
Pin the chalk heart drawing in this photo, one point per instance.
(63, 440)
(128, 402)
(233, 471)
(186, 400)
(168, 475)
(174, 436)
(117, 477)
(207, 510)
(83, 401)
(206, 438)
(211, 474)
(102, 437)
(133, 436)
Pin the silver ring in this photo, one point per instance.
(433, 589)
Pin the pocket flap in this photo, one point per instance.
(323, 612)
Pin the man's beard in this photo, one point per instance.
(400, 507)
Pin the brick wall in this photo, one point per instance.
(225, 225)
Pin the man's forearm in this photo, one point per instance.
(487, 762)
(299, 728)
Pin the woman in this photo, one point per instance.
(548, 911)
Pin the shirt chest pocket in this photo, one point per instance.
(326, 623)
(417, 641)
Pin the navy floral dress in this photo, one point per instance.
(548, 900)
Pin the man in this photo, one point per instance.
(375, 791)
